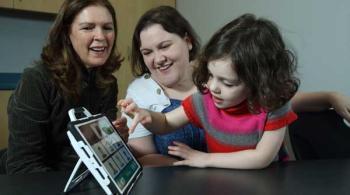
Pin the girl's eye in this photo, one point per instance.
(228, 85)
(233, 84)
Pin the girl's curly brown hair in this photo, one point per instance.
(61, 59)
(259, 57)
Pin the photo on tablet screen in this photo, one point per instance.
(112, 152)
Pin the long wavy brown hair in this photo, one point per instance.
(259, 57)
(61, 59)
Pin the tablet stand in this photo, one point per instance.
(74, 179)
(86, 156)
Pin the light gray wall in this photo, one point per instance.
(22, 35)
(318, 30)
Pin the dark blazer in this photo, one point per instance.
(38, 117)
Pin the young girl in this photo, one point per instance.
(246, 79)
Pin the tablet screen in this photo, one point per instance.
(111, 151)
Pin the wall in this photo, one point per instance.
(22, 35)
(318, 31)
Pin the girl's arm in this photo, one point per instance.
(257, 158)
(318, 101)
(158, 123)
(141, 143)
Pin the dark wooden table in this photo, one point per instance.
(299, 177)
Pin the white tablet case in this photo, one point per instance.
(89, 159)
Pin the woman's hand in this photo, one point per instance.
(341, 105)
(323, 100)
(193, 158)
(121, 125)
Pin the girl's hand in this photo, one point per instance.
(341, 105)
(121, 125)
(139, 115)
(191, 157)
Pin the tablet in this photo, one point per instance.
(104, 153)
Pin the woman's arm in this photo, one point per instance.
(257, 158)
(318, 101)
(28, 117)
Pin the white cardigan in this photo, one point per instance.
(147, 94)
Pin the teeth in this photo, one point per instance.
(98, 49)
(163, 67)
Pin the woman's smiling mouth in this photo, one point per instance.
(98, 49)
(164, 67)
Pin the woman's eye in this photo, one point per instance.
(145, 53)
(108, 28)
(87, 28)
(164, 46)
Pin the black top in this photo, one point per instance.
(38, 117)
